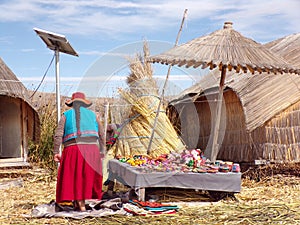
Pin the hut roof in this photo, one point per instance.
(225, 48)
(262, 95)
(288, 48)
(10, 85)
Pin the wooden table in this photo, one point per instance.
(139, 180)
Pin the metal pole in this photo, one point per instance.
(57, 83)
(57, 89)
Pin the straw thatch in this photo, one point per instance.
(288, 48)
(10, 85)
(225, 47)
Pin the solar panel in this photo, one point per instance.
(56, 41)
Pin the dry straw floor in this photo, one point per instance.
(270, 195)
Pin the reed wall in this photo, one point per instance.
(283, 135)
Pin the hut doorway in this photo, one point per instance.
(10, 128)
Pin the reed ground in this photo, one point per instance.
(270, 195)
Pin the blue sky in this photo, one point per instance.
(98, 29)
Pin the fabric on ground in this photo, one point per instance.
(99, 208)
(96, 208)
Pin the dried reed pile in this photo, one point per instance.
(143, 99)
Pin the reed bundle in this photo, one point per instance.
(143, 98)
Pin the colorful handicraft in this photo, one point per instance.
(188, 161)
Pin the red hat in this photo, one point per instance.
(78, 96)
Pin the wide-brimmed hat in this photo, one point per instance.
(78, 96)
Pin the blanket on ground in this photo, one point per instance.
(101, 208)
(95, 208)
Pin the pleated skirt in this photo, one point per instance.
(80, 173)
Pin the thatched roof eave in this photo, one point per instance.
(225, 48)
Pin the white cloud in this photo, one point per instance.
(99, 53)
(264, 19)
(88, 17)
(5, 40)
(28, 50)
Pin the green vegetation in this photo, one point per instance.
(41, 153)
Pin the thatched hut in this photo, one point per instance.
(19, 121)
(260, 116)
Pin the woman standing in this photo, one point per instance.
(80, 171)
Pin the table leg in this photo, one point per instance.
(110, 187)
(141, 194)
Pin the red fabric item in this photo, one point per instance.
(79, 174)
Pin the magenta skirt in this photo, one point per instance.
(79, 174)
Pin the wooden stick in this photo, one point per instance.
(106, 119)
(165, 84)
